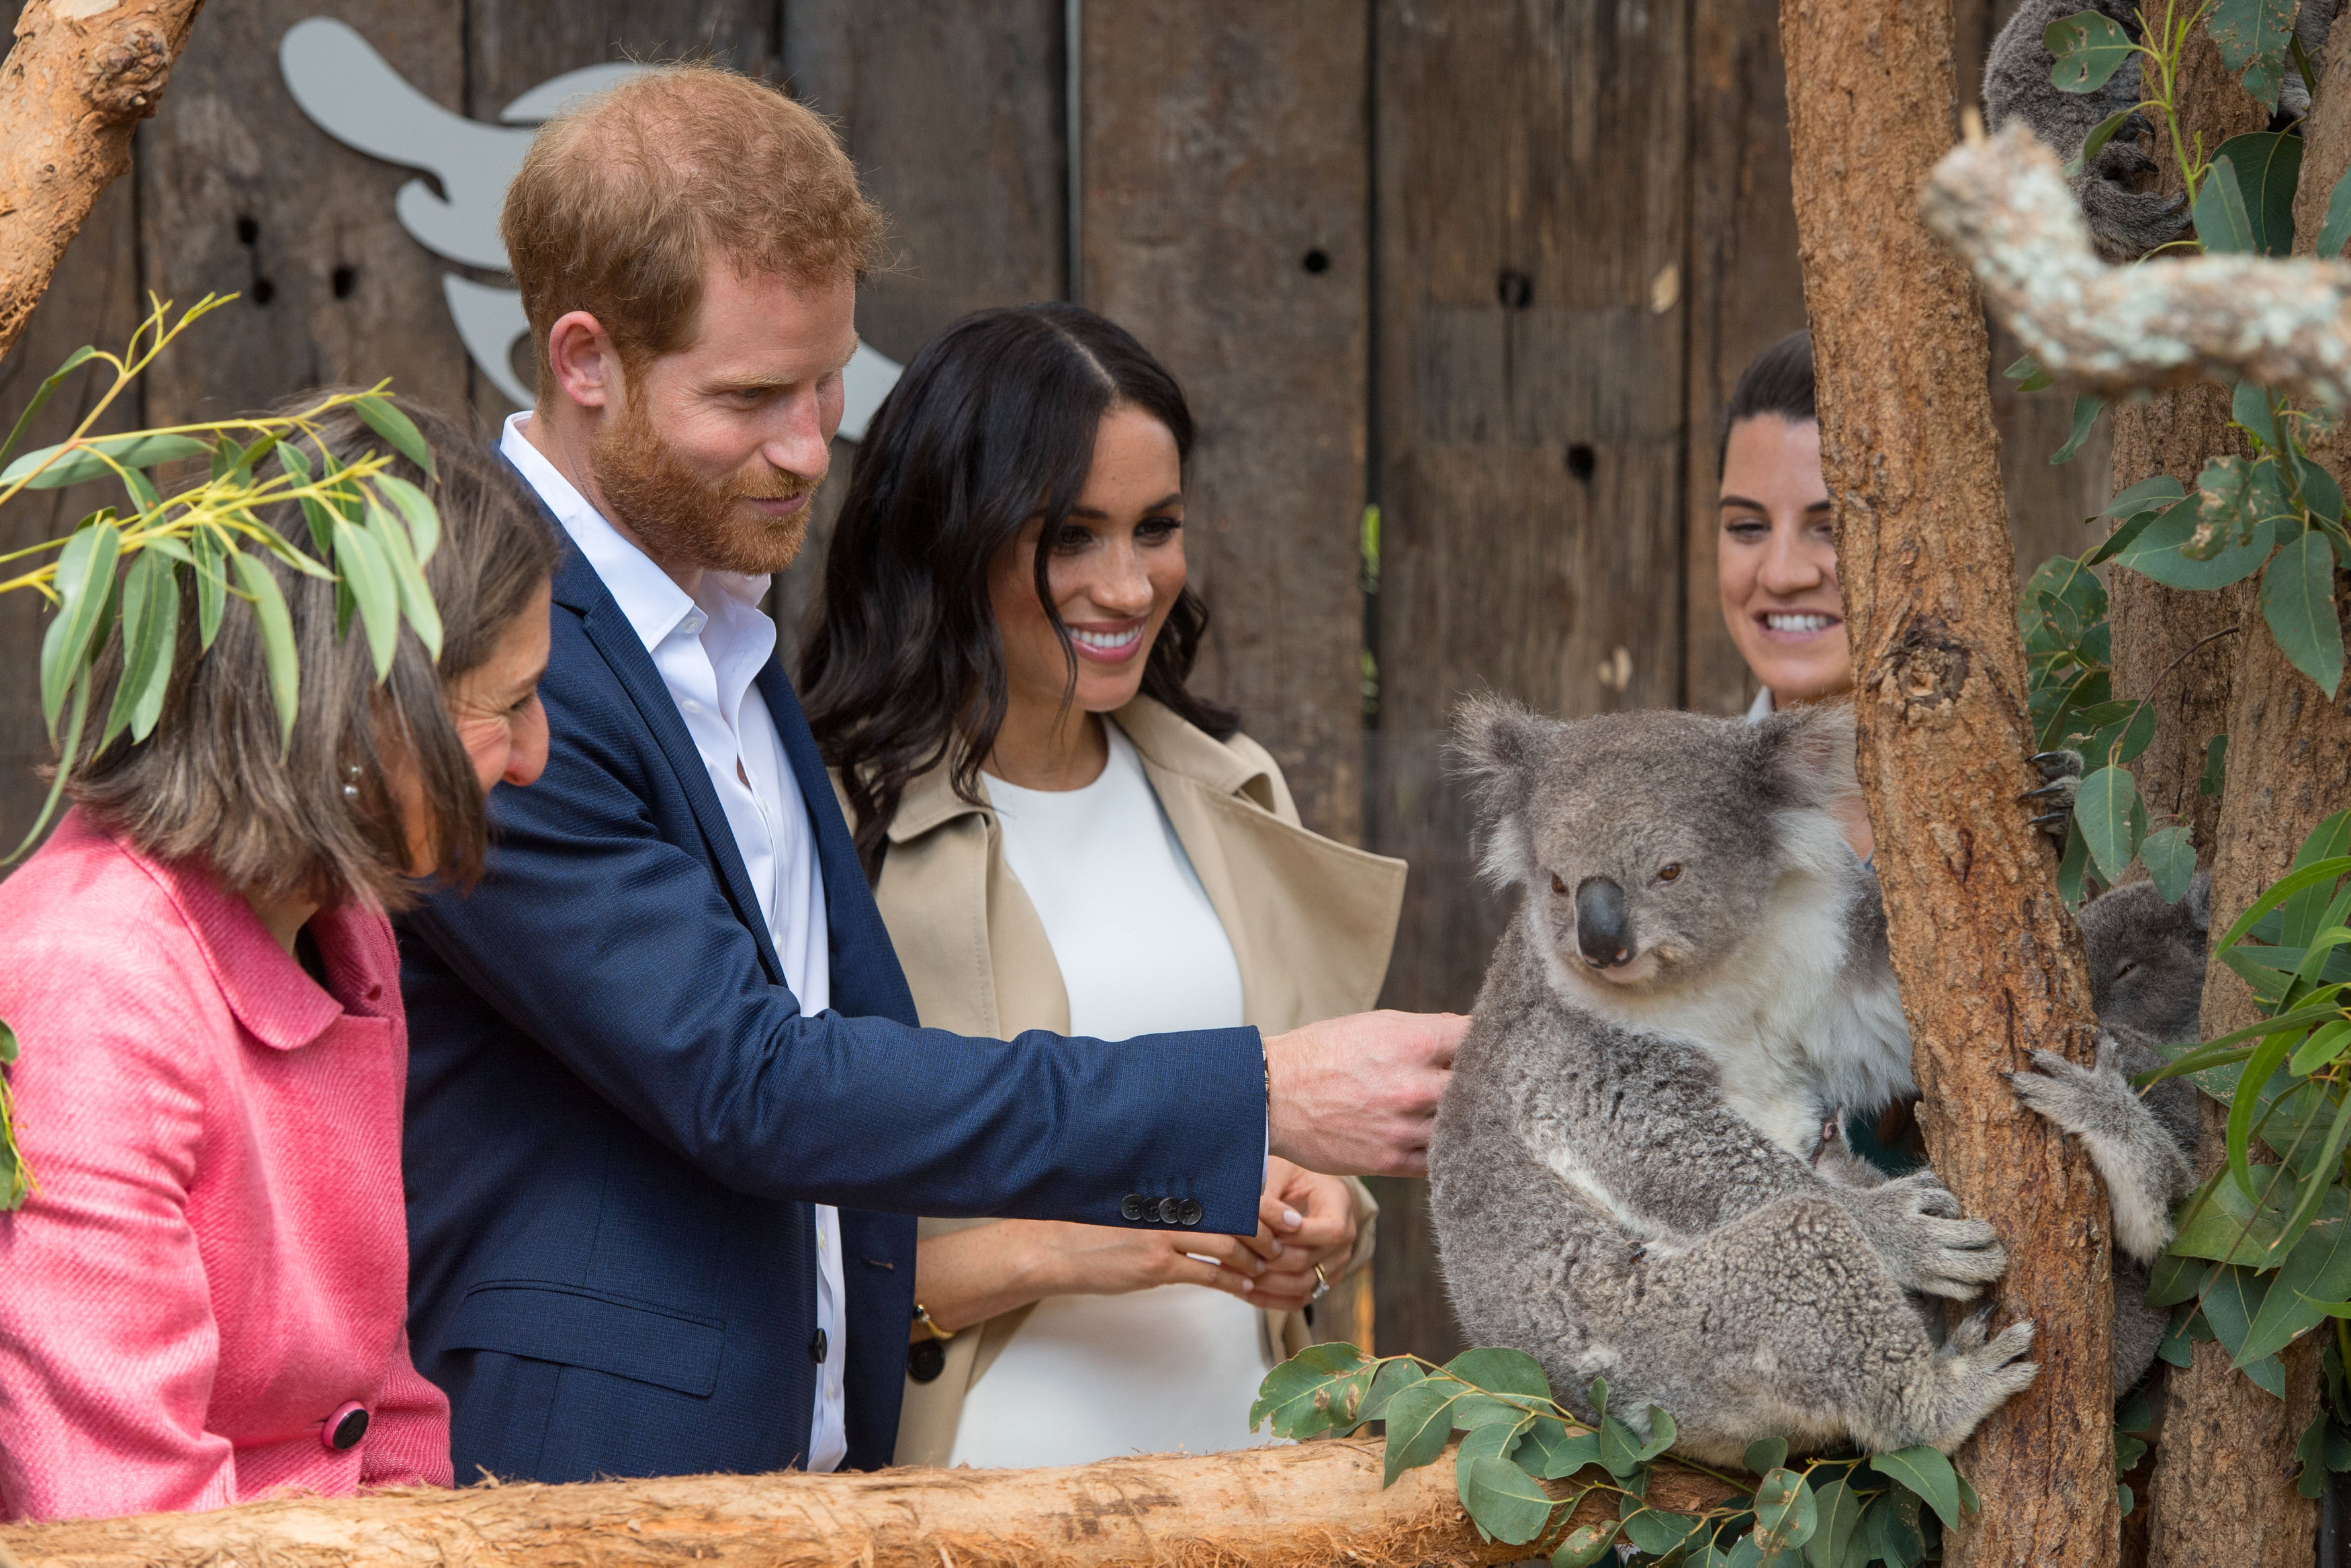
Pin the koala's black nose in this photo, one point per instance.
(1600, 923)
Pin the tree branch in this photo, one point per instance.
(2002, 203)
(81, 77)
(1281, 1507)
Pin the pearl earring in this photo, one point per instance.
(352, 789)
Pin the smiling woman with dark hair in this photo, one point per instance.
(205, 1296)
(1063, 835)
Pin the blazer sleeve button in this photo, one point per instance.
(1170, 1211)
(926, 1359)
(1192, 1211)
(345, 1428)
(1131, 1209)
(817, 1347)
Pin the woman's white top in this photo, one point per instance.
(1141, 952)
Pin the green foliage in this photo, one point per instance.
(2266, 165)
(121, 572)
(2263, 1254)
(1839, 1511)
(2085, 50)
(2253, 36)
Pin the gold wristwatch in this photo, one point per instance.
(923, 1317)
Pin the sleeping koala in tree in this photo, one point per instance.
(2125, 220)
(1620, 1170)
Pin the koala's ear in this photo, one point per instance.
(1807, 755)
(2199, 902)
(1496, 746)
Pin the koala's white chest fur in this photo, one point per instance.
(1799, 1024)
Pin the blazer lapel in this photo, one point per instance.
(578, 589)
(867, 978)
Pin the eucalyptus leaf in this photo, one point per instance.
(2029, 375)
(2253, 36)
(2086, 409)
(1786, 1512)
(84, 582)
(1393, 1378)
(1765, 1455)
(211, 585)
(2298, 603)
(417, 509)
(2147, 495)
(2221, 224)
(2073, 866)
(2174, 1278)
(85, 460)
(2095, 142)
(278, 648)
(385, 418)
(1657, 1532)
(1661, 1434)
(2249, 405)
(364, 567)
(2321, 1049)
(1926, 1473)
(2226, 1224)
(1551, 1450)
(2268, 1374)
(49, 384)
(2107, 809)
(1620, 1449)
(2216, 766)
(417, 606)
(2335, 233)
(1509, 1373)
(2231, 1303)
(2266, 164)
(2171, 859)
(150, 624)
(2316, 1272)
(1838, 1509)
(2319, 490)
(1585, 1544)
(2085, 50)
(1506, 1503)
(1893, 1535)
(2159, 552)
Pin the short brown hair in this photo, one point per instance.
(210, 783)
(622, 201)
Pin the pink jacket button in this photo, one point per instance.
(345, 1428)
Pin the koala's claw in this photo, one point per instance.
(1971, 1332)
(2061, 775)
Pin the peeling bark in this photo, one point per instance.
(1279, 1508)
(1989, 962)
(81, 77)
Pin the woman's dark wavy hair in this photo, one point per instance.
(1778, 381)
(992, 424)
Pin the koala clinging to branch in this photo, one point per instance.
(1696, 978)
(2126, 221)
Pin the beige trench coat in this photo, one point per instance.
(1311, 921)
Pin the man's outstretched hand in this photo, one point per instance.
(1356, 1095)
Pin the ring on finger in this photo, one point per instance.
(1322, 1284)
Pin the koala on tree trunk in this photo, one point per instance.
(1629, 1172)
(2125, 220)
(1621, 1167)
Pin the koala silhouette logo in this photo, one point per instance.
(354, 95)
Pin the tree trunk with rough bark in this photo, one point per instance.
(2177, 431)
(81, 76)
(2222, 1488)
(1279, 1508)
(1989, 962)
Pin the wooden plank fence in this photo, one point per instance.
(1492, 267)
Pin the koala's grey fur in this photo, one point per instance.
(2147, 978)
(2124, 220)
(1621, 1167)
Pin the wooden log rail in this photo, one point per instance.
(1279, 1506)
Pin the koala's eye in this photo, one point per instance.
(2123, 972)
(1670, 871)
(1557, 886)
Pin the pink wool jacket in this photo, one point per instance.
(216, 1261)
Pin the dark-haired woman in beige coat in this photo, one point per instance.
(1063, 836)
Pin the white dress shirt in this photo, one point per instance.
(708, 648)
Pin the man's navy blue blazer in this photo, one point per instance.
(619, 1117)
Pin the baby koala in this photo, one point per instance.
(2147, 979)
(1696, 979)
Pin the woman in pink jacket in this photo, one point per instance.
(203, 1300)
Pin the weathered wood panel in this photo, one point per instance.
(239, 193)
(1745, 291)
(1225, 168)
(1530, 395)
(953, 111)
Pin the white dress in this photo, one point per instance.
(1141, 952)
